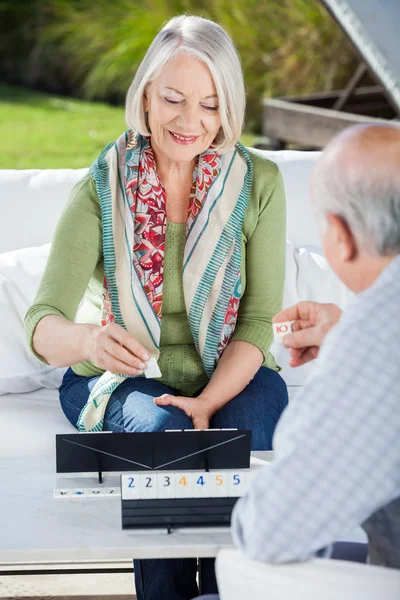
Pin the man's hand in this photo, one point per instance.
(312, 321)
(199, 409)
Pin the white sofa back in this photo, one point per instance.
(31, 201)
(30, 204)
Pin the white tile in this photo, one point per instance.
(152, 370)
(165, 484)
(236, 483)
(62, 493)
(280, 330)
(78, 493)
(130, 486)
(201, 484)
(148, 485)
(218, 484)
(111, 491)
(183, 484)
(94, 492)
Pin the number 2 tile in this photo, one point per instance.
(130, 486)
(147, 485)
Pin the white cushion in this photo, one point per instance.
(308, 277)
(296, 168)
(20, 370)
(31, 202)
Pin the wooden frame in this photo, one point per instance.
(310, 126)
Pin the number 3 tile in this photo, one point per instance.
(166, 484)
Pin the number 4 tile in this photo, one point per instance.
(183, 484)
(201, 484)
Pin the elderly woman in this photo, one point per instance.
(176, 240)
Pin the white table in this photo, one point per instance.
(37, 529)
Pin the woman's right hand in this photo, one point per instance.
(113, 349)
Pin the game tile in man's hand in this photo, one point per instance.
(281, 329)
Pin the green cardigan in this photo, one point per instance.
(75, 271)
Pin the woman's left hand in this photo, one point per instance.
(199, 409)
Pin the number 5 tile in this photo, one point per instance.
(218, 484)
(236, 483)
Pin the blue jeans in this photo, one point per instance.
(131, 408)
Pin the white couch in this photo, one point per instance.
(30, 204)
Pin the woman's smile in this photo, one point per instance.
(183, 139)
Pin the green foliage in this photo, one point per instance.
(93, 48)
(43, 131)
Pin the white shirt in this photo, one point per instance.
(337, 445)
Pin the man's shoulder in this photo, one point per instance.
(368, 333)
(380, 303)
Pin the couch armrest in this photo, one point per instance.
(241, 579)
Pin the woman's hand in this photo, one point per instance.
(112, 348)
(312, 321)
(199, 409)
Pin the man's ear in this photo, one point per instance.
(343, 237)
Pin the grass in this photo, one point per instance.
(43, 131)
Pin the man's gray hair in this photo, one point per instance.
(364, 190)
(208, 42)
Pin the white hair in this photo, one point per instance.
(363, 188)
(208, 42)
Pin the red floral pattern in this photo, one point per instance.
(206, 169)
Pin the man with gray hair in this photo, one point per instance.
(337, 445)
